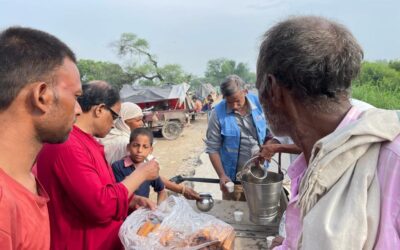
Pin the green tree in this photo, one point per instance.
(173, 73)
(98, 70)
(142, 66)
(218, 69)
(196, 81)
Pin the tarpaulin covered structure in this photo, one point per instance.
(174, 94)
(204, 90)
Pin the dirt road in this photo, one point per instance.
(184, 156)
(181, 155)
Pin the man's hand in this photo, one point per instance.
(191, 194)
(140, 201)
(277, 241)
(269, 150)
(222, 180)
(150, 169)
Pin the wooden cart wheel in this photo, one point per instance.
(171, 130)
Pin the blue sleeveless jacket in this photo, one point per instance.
(230, 132)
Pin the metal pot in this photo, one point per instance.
(205, 203)
(262, 194)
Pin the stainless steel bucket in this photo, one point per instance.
(262, 195)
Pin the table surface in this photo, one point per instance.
(248, 234)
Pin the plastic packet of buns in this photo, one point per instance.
(175, 225)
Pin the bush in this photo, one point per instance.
(378, 84)
(377, 97)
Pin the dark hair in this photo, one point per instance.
(311, 56)
(26, 56)
(141, 131)
(97, 92)
(231, 84)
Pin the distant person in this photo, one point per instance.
(87, 206)
(344, 192)
(140, 148)
(236, 131)
(208, 103)
(39, 84)
(198, 106)
(131, 117)
(116, 144)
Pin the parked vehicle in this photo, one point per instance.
(166, 109)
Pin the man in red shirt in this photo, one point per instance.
(87, 206)
(39, 83)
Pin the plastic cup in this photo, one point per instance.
(230, 186)
(269, 240)
(238, 215)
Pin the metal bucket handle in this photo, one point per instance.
(247, 164)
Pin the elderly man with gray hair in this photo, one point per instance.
(236, 130)
(345, 185)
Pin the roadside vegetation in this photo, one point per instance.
(377, 84)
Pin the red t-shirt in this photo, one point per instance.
(24, 220)
(87, 206)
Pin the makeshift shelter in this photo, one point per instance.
(166, 108)
(146, 96)
(204, 90)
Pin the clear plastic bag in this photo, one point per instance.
(282, 228)
(175, 225)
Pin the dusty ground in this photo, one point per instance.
(185, 156)
(181, 156)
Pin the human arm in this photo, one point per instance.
(117, 168)
(140, 201)
(7, 222)
(87, 183)
(161, 196)
(6, 241)
(274, 146)
(214, 143)
(217, 164)
(188, 192)
(276, 242)
(159, 187)
(143, 171)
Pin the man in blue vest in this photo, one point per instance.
(236, 130)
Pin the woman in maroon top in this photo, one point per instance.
(87, 206)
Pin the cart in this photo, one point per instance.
(248, 235)
(166, 108)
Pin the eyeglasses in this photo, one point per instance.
(114, 114)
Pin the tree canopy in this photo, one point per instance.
(97, 70)
(143, 66)
(139, 66)
(218, 69)
(377, 84)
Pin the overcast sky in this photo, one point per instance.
(190, 32)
